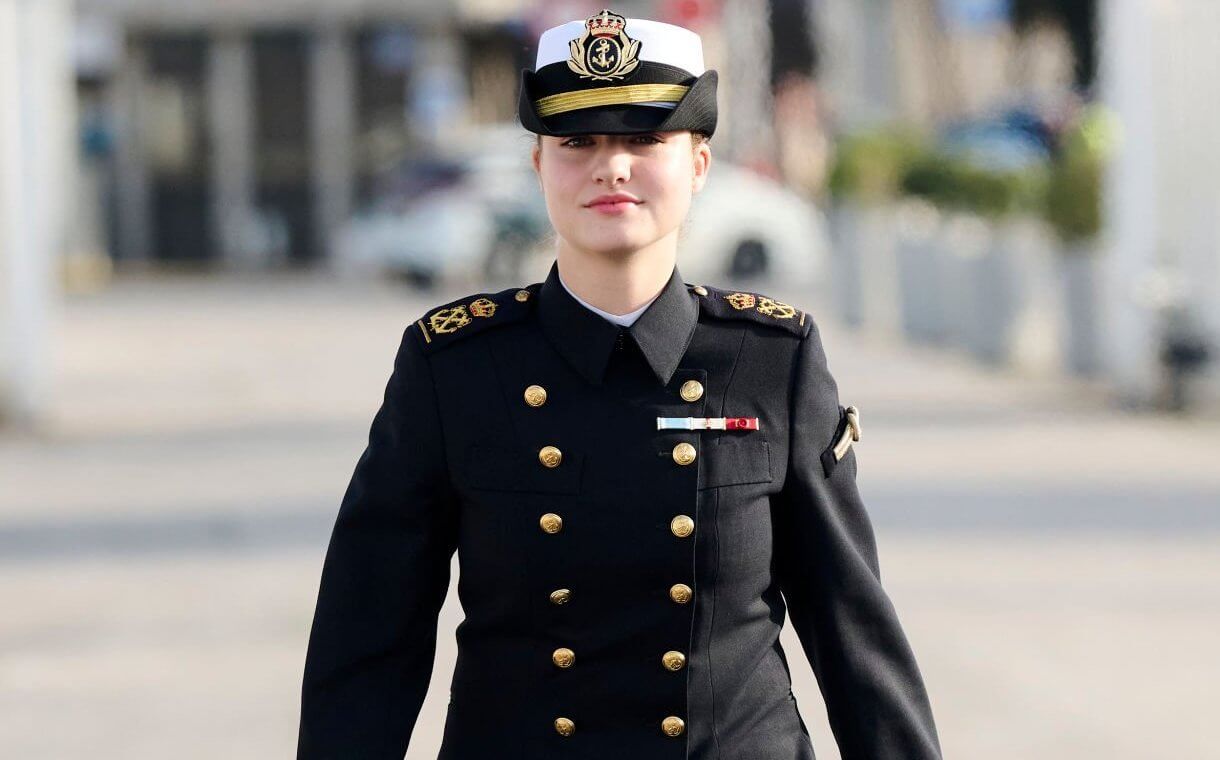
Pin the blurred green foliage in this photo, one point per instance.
(892, 161)
(954, 182)
(1072, 203)
(868, 166)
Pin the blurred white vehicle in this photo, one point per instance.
(743, 225)
(452, 216)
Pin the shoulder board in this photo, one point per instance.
(752, 307)
(472, 314)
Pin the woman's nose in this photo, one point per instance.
(613, 167)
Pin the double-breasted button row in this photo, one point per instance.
(564, 657)
(681, 526)
(550, 456)
(672, 725)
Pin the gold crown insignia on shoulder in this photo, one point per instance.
(761, 304)
(453, 318)
(470, 314)
(755, 306)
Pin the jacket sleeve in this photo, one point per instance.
(827, 563)
(384, 579)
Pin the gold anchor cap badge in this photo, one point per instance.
(604, 51)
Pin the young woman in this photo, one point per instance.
(640, 478)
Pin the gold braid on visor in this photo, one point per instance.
(606, 96)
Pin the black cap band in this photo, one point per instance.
(577, 106)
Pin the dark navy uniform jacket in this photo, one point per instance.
(623, 586)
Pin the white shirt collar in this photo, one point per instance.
(619, 319)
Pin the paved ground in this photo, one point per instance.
(1056, 563)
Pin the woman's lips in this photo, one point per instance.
(613, 209)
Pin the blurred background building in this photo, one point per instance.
(243, 134)
(303, 134)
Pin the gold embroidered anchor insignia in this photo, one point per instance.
(604, 52)
(449, 320)
(777, 309)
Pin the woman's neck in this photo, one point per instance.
(618, 283)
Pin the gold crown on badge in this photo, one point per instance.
(604, 52)
(761, 304)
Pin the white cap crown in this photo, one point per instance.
(659, 43)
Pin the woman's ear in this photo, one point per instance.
(536, 161)
(702, 158)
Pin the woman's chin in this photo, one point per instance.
(611, 245)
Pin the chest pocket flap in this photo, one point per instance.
(735, 461)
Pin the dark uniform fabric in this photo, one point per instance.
(453, 464)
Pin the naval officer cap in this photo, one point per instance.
(614, 75)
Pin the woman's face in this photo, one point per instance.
(656, 172)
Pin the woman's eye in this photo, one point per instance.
(576, 142)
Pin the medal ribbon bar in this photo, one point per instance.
(707, 423)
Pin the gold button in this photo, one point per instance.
(550, 456)
(673, 660)
(684, 453)
(523, 295)
(565, 726)
(535, 395)
(701, 290)
(673, 726)
(561, 596)
(563, 657)
(682, 526)
(692, 390)
(680, 593)
(551, 522)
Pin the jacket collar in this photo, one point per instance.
(663, 332)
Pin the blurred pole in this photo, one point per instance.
(437, 98)
(858, 50)
(1129, 86)
(231, 113)
(333, 74)
(749, 125)
(133, 192)
(36, 161)
(925, 87)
